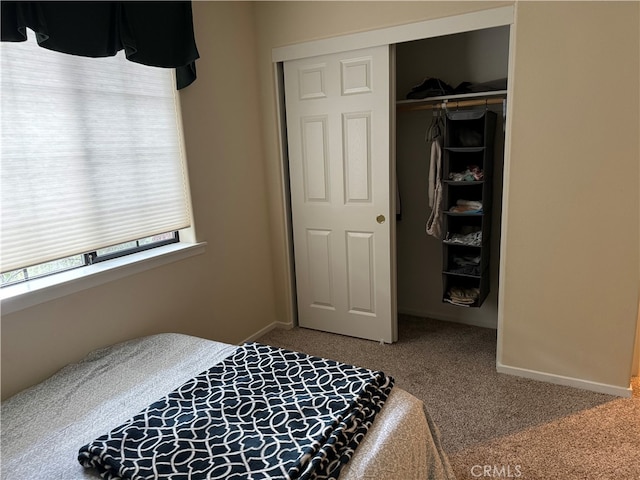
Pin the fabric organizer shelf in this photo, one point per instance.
(467, 205)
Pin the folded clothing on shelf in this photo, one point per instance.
(491, 85)
(473, 239)
(463, 260)
(467, 206)
(465, 264)
(463, 297)
(470, 174)
(430, 87)
(466, 270)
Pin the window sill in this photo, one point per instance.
(40, 290)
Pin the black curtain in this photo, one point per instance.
(158, 34)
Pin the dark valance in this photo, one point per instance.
(158, 34)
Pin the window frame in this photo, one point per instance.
(94, 257)
(90, 258)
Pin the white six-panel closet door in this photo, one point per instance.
(338, 127)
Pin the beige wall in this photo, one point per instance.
(571, 269)
(571, 289)
(224, 294)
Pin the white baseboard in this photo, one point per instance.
(447, 318)
(566, 381)
(266, 330)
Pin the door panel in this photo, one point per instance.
(319, 262)
(360, 273)
(357, 156)
(338, 128)
(315, 163)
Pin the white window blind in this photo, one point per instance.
(91, 154)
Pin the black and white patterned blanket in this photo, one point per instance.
(262, 413)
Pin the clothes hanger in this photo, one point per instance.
(430, 133)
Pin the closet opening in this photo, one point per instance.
(451, 89)
(377, 278)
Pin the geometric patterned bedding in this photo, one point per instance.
(261, 413)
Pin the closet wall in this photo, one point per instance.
(478, 56)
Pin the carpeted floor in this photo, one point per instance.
(493, 425)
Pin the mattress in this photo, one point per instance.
(44, 426)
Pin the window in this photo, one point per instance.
(91, 160)
(81, 260)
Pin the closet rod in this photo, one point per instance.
(406, 107)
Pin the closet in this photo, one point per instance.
(355, 145)
(472, 69)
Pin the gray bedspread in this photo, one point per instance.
(44, 426)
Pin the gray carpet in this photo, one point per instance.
(493, 425)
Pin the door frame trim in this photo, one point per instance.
(466, 22)
(482, 19)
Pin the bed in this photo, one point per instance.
(45, 426)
